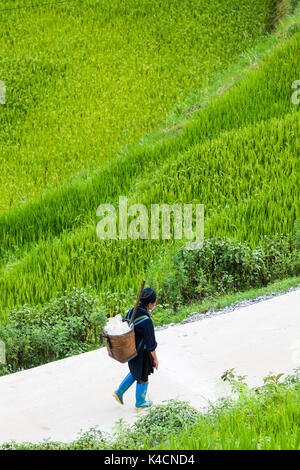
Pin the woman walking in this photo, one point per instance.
(143, 364)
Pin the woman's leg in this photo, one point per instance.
(140, 395)
(127, 382)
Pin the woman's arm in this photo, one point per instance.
(156, 363)
(149, 339)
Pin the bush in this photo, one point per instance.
(297, 234)
(70, 324)
(158, 422)
(224, 266)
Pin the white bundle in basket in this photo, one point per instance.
(115, 326)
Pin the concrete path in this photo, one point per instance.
(59, 399)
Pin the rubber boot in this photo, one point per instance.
(127, 382)
(140, 395)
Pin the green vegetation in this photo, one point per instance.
(69, 325)
(223, 266)
(167, 315)
(263, 418)
(163, 102)
(86, 79)
(72, 323)
(237, 155)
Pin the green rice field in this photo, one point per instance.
(86, 78)
(162, 102)
(68, 146)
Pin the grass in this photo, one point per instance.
(74, 205)
(88, 78)
(231, 162)
(269, 421)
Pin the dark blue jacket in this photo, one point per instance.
(144, 338)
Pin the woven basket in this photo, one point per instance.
(121, 347)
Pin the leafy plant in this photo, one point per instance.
(224, 265)
(152, 428)
(70, 324)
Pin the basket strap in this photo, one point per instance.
(140, 320)
(137, 302)
(127, 318)
(136, 322)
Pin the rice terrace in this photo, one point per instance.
(159, 141)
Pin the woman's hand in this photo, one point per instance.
(156, 363)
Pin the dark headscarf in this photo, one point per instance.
(148, 297)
